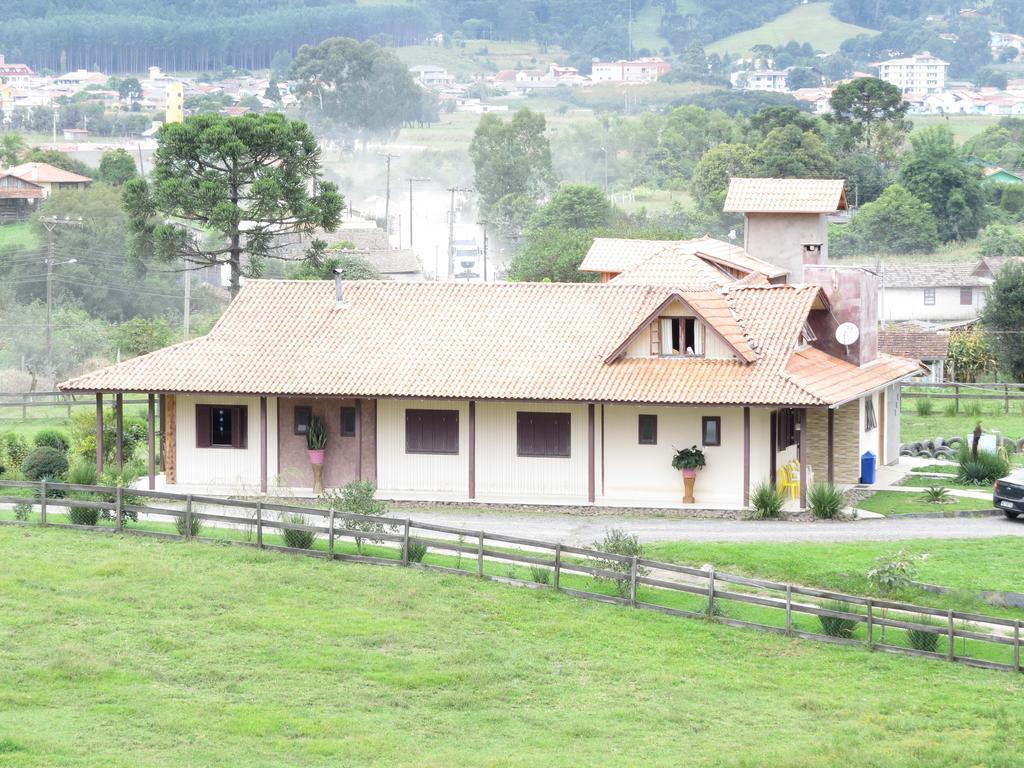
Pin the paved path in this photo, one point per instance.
(584, 530)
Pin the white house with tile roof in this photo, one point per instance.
(525, 392)
(933, 292)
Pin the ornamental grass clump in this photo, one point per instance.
(767, 501)
(922, 639)
(924, 406)
(982, 468)
(540, 574)
(836, 626)
(191, 530)
(295, 538)
(82, 473)
(826, 501)
(416, 551)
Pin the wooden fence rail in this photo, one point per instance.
(66, 400)
(645, 584)
(1004, 392)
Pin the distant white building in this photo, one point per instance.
(1000, 40)
(644, 70)
(431, 76)
(932, 292)
(920, 74)
(760, 80)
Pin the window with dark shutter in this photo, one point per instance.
(303, 413)
(430, 431)
(966, 297)
(543, 434)
(647, 428)
(222, 426)
(348, 421)
(711, 430)
(786, 431)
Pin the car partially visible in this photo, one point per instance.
(1008, 494)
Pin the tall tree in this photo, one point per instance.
(869, 112)
(356, 85)
(1003, 318)
(897, 222)
(245, 181)
(11, 146)
(574, 206)
(511, 158)
(791, 153)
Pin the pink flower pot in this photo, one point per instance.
(316, 457)
(689, 473)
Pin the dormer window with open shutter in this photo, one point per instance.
(677, 337)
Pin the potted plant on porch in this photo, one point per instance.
(688, 461)
(316, 444)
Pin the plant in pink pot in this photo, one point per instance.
(689, 461)
(316, 445)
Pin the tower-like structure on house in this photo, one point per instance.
(175, 109)
(786, 220)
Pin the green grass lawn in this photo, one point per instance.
(969, 564)
(964, 127)
(902, 503)
(645, 29)
(128, 652)
(479, 57)
(812, 23)
(937, 424)
(18, 236)
(947, 481)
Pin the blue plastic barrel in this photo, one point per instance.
(867, 468)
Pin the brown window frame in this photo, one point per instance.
(653, 420)
(349, 409)
(308, 411)
(967, 293)
(552, 441)
(704, 421)
(435, 422)
(205, 413)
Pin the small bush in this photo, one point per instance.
(540, 574)
(356, 498)
(983, 469)
(616, 541)
(972, 408)
(826, 501)
(14, 448)
(44, 462)
(22, 511)
(82, 473)
(416, 551)
(950, 408)
(834, 626)
(767, 501)
(921, 639)
(936, 494)
(297, 539)
(83, 516)
(180, 527)
(924, 406)
(53, 438)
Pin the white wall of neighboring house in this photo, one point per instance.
(899, 304)
(869, 438)
(401, 474)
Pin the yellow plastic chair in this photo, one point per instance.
(790, 479)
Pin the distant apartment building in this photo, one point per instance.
(760, 80)
(431, 76)
(644, 70)
(175, 107)
(919, 74)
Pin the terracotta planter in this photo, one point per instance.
(316, 458)
(689, 478)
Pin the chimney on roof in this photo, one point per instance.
(853, 298)
(339, 288)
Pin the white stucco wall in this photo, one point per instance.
(900, 304)
(420, 475)
(222, 468)
(779, 239)
(869, 439)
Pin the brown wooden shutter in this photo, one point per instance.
(203, 426)
(655, 329)
(240, 426)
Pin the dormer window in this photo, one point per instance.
(677, 337)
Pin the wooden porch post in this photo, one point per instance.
(359, 439)
(163, 431)
(591, 484)
(119, 428)
(151, 439)
(803, 458)
(472, 449)
(831, 446)
(263, 444)
(746, 455)
(773, 440)
(99, 435)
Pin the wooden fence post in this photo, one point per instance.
(632, 582)
(711, 592)
(1016, 644)
(558, 566)
(42, 501)
(956, 390)
(188, 517)
(405, 544)
(119, 509)
(952, 637)
(871, 625)
(330, 535)
(480, 554)
(259, 524)
(789, 609)
(1006, 396)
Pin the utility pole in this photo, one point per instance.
(605, 150)
(55, 110)
(187, 310)
(483, 225)
(411, 179)
(49, 224)
(451, 230)
(387, 195)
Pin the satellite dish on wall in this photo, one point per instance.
(847, 334)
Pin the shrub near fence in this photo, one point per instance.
(668, 588)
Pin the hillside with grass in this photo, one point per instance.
(124, 652)
(812, 23)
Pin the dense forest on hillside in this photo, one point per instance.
(208, 35)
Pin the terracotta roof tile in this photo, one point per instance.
(678, 263)
(46, 174)
(924, 345)
(528, 341)
(836, 381)
(785, 196)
